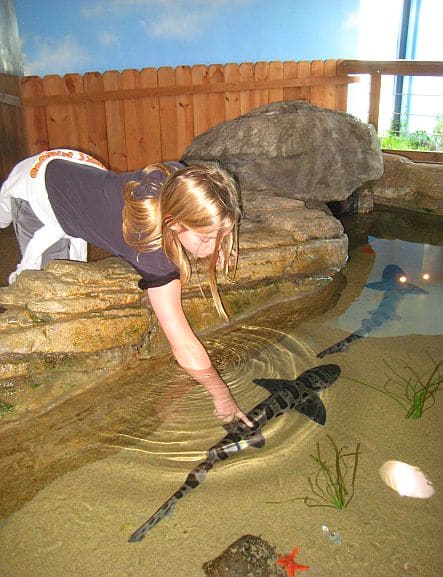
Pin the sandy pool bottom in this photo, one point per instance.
(79, 524)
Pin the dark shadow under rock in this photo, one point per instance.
(249, 556)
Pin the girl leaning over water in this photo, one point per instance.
(156, 218)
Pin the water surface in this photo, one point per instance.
(86, 474)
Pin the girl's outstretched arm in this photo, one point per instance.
(189, 352)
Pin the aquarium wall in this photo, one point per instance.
(10, 52)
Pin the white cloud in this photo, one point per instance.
(183, 19)
(99, 7)
(108, 38)
(182, 25)
(54, 56)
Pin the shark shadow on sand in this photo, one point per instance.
(395, 288)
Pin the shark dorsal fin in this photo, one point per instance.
(314, 379)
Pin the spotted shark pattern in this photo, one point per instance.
(299, 394)
(394, 291)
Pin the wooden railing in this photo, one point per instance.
(375, 70)
(131, 118)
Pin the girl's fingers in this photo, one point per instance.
(232, 416)
(240, 415)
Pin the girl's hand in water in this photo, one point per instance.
(228, 411)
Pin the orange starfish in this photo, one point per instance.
(290, 565)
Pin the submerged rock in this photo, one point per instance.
(246, 557)
(293, 149)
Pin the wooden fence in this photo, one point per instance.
(131, 118)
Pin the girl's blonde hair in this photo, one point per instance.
(199, 198)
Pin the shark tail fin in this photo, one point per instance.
(165, 512)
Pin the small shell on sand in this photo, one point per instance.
(407, 480)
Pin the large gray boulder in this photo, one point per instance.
(293, 149)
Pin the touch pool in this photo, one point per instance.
(126, 453)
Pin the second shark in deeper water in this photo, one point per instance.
(394, 290)
(299, 394)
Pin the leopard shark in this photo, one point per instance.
(394, 286)
(299, 394)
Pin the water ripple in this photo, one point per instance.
(188, 427)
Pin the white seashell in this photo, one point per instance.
(407, 480)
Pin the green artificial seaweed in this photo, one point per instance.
(332, 484)
(414, 392)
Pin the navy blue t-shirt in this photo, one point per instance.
(88, 204)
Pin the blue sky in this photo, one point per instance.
(62, 36)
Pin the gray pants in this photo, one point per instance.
(26, 224)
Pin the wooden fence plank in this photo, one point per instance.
(185, 111)
(317, 92)
(61, 131)
(261, 72)
(35, 116)
(216, 100)
(276, 73)
(151, 117)
(232, 98)
(133, 122)
(304, 73)
(246, 97)
(290, 70)
(200, 101)
(329, 91)
(96, 118)
(115, 123)
(168, 116)
(78, 121)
